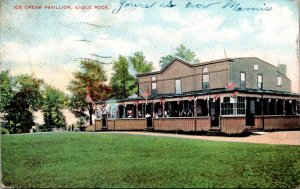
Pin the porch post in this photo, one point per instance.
(276, 112)
(124, 111)
(262, 112)
(283, 107)
(153, 108)
(136, 110)
(195, 107)
(163, 108)
(145, 108)
(208, 110)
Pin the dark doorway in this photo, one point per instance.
(250, 112)
(149, 114)
(121, 111)
(214, 112)
(104, 117)
(149, 122)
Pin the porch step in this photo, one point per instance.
(215, 129)
(259, 133)
(252, 130)
(149, 129)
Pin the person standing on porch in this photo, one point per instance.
(148, 115)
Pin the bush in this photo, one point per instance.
(4, 131)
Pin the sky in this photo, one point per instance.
(49, 43)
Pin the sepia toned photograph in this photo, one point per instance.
(149, 94)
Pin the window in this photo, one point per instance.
(233, 106)
(227, 106)
(205, 78)
(178, 86)
(259, 82)
(255, 67)
(243, 80)
(153, 86)
(240, 106)
(278, 81)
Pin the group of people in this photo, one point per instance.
(175, 113)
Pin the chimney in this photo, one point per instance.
(282, 68)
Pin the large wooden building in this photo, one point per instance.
(226, 95)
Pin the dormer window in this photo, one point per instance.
(255, 67)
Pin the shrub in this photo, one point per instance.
(4, 131)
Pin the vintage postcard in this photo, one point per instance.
(110, 93)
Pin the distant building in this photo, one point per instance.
(227, 95)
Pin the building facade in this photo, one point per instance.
(226, 95)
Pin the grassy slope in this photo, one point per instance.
(116, 160)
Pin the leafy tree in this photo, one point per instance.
(122, 82)
(181, 52)
(140, 64)
(89, 82)
(165, 60)
(53, 103)
(26, 99)
(6, 93)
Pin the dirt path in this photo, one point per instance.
(280, 137)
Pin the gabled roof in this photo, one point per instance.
(168, 65)
(214, 62)
(206, 63)
(186, 63)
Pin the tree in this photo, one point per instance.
(53, 103)
(6, 93)
(25, 100)
(181, 52)
(122, 82)
(165, 60)
(140, 64)
(89, 82)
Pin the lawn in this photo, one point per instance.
(119, 160)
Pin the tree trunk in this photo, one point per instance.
(91, 113)
(15, 128)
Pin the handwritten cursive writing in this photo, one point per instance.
(125, 3)
(235, 5)
(198, 5)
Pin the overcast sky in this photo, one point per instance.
(46, 42)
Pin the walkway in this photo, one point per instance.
(279, 137)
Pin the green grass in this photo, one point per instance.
(119, 160)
